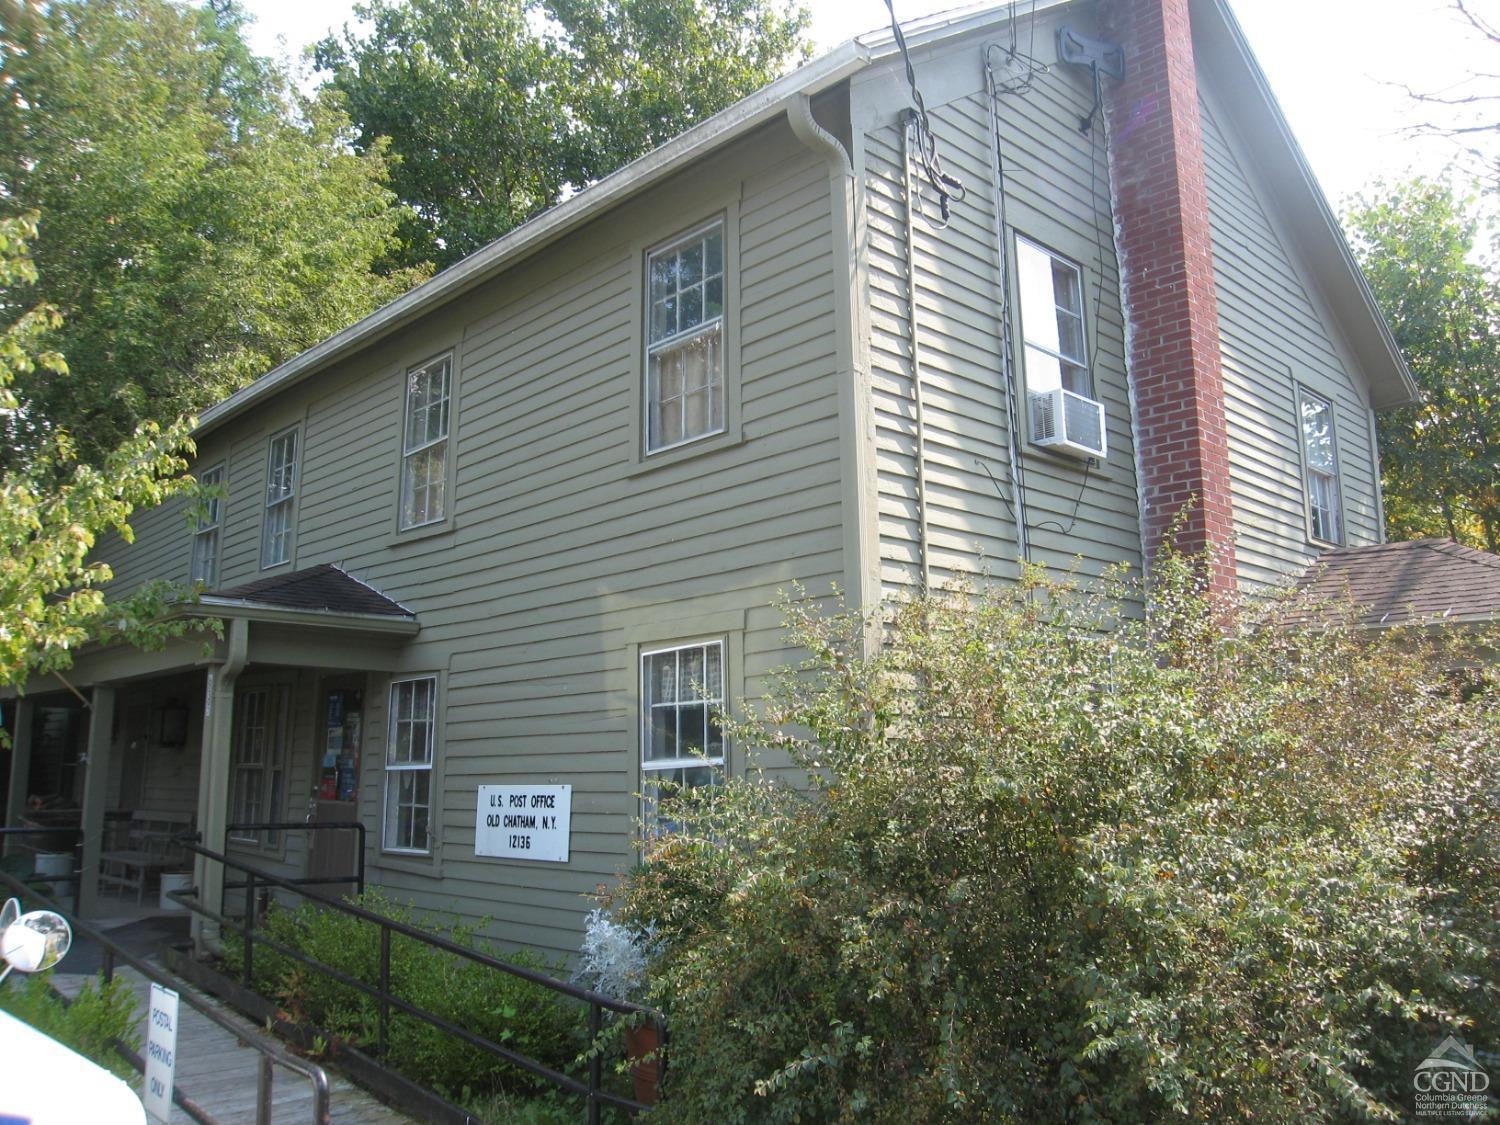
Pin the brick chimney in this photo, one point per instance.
(1166, 262)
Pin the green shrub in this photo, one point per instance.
(524, 1017)
(1065, 863)
(100, 1014)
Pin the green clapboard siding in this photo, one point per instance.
(564, 553)
(1273, 335)
(1057, 193)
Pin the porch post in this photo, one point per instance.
(20, 768)
(213, 779)
(95, 782)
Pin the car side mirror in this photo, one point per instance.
(32, 942)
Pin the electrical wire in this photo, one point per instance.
(1013, 54)
(1077, 503)
(949, 188)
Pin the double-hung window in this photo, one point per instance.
(206, 532)
(1320, 464)
(685, 339)
(424, 452)
(410, 737)
(281, 499)
(682, 695)
(257, 785)
(1052, 333)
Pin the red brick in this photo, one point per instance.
(1166, 267)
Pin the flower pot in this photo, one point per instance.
(640, 1042)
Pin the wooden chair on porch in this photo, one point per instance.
(149, 847)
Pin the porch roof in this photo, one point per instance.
(1424, 581)
(320, 595)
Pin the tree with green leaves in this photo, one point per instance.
(202, 221)
(1419, 245)
(496, 108)
(54, 507)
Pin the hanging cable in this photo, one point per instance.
(1077, 503)
(949, 188)
(1014, 56)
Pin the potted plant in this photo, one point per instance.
(612, 962)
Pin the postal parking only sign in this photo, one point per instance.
(524, 822)
(161, 1052)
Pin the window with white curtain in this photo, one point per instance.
(685, 339)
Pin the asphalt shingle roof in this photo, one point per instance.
(1404, 583)
(325, 588)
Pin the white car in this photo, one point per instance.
(44, 1083)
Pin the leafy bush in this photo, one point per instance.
(507, 1010)
(90, 1024)
(1063, 862)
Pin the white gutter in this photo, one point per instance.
(766, 104)
(240, 609)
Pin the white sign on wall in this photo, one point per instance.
(524, 822)
(161, 1052)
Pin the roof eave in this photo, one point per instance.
(760, 107)
(1306, 209)
(380, 624)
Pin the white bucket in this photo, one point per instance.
(172, 881)
(54, 865)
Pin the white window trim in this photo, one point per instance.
(408, 452)
(430, 766)
(204, 528)
(1083, 334)
(1305, 393)
(719, 324)
(289, 501)
(648, 770)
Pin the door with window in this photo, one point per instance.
(335, 798)
(257, 784)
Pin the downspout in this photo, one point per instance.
(916, 355)
(213, 777)
(1007, 343)
(852, 359)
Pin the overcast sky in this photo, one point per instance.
(1338, 67)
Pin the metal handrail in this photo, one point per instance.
(305, 826)
(75, 875)
(596, 1001)
(270, 1052)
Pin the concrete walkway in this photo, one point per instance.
(219, 1072)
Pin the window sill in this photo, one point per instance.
(650, 462)
(1098, 468)
(423, 533)
(412, 863)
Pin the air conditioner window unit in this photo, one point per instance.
(1068, 423)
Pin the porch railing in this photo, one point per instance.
(255, 878)
(74, 875)
(358, 878)
(271, 1054)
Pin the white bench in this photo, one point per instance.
(149, 847)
